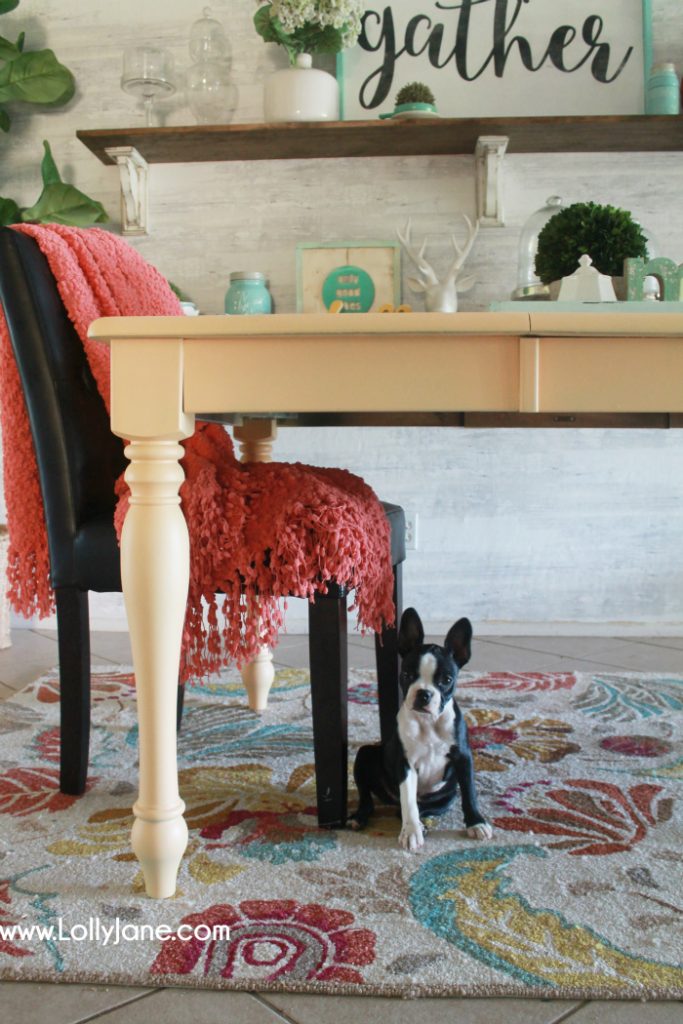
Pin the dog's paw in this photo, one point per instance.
(412, 837)
(482, 830)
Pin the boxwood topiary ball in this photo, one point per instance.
(608, 234)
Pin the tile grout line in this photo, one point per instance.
(273, 1009)
(44, 635)
(602, 665)
(537, 650)
(642, 641)
(567, 1014)
(650, 642)
(102, 1014)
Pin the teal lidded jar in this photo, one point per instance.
(248, 293)
(663, 96)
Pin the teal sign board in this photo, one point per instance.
(353, 286)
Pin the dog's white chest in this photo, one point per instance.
(426, 743)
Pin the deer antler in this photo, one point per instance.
(418, 259)
(462, 254)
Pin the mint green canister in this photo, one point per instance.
(663, 91)
(248, 293)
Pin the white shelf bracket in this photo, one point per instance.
(488, 155)
(134, 175)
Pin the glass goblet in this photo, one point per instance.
(148, 72)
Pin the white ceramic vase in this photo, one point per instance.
(301, 93)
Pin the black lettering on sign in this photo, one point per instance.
(592, 27)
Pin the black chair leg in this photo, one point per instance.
(329, 682)
(386, 652)
(73, 637)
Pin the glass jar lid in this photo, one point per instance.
(207, 38)
(247, 275)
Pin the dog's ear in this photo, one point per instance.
(459, 642)
(410, 632)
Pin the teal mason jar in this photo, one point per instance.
(248, 293)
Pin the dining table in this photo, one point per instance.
(539, 367)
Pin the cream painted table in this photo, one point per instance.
(464, 369)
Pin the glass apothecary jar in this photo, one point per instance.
(210, 94)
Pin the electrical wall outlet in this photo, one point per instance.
(411, 531)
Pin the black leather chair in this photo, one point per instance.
(79, 460)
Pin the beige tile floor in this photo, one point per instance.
(33, 652)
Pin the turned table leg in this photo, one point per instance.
(256, 439)
(155, 572)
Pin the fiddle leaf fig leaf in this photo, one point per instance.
(36, 77)
(60, 203)
(8, 51)
(8, 5)
(48, 167)
(9, 212)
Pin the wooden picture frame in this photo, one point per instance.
(363, 275)
(546, 59)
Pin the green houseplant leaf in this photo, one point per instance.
(9, 212)
(268, 27)
(309, 38)
(272, 31)
(60, 203)
(8, 51)
(317, 40)
(48, 167)
(36, 77)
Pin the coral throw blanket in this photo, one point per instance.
(258, 531)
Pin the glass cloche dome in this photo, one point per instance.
(529, 285)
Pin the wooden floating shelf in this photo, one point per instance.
(442, 136)
(486, 138)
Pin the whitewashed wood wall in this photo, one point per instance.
(522, 530)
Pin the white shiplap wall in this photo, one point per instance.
(523, 530)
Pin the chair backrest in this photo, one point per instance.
(78, 457)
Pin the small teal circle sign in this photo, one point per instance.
(353, 286)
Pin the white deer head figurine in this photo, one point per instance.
(441, 294)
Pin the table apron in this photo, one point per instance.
(492, 373)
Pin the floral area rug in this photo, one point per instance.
(578, 894)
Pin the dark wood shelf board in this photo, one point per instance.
(443, 136)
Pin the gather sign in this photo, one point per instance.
(490, 58)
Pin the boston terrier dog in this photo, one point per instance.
(428, 756)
